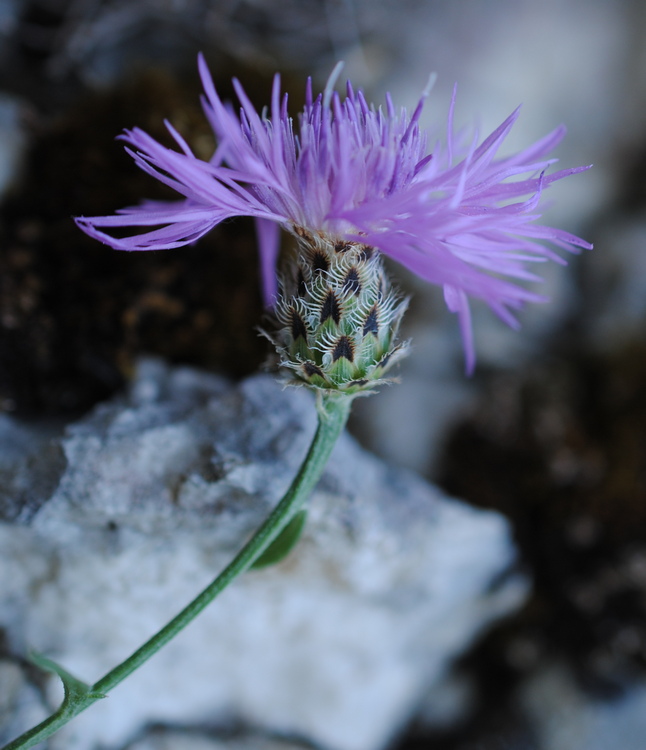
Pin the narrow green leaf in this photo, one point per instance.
(283, 544)
(76, 690)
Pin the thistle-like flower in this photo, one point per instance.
(350, 174)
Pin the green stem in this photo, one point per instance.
(333, 414)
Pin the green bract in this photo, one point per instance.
(338, 316)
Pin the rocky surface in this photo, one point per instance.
(186, 740)
(115, 524)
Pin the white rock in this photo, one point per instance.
(20, 703)
(177, 740)
(337, 644)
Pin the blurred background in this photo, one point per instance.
(551, 430)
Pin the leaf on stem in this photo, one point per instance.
(76, 691)
(283, 543)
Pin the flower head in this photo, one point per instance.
(459, 216)
(337, 317)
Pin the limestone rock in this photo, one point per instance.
(155, 492)
(21, 706)
(185, 740)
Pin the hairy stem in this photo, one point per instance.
(333, 414)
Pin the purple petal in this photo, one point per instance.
(268, 233)
(459, 216)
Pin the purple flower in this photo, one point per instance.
(456, 214)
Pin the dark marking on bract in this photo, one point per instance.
(319, 262)
(341, 247)
(311, 369)
(384, 362)
(366, 252)
(352, 283)
(343, 348)
(331, 308)
(372, 323)
(297, 325)
(301, 283)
